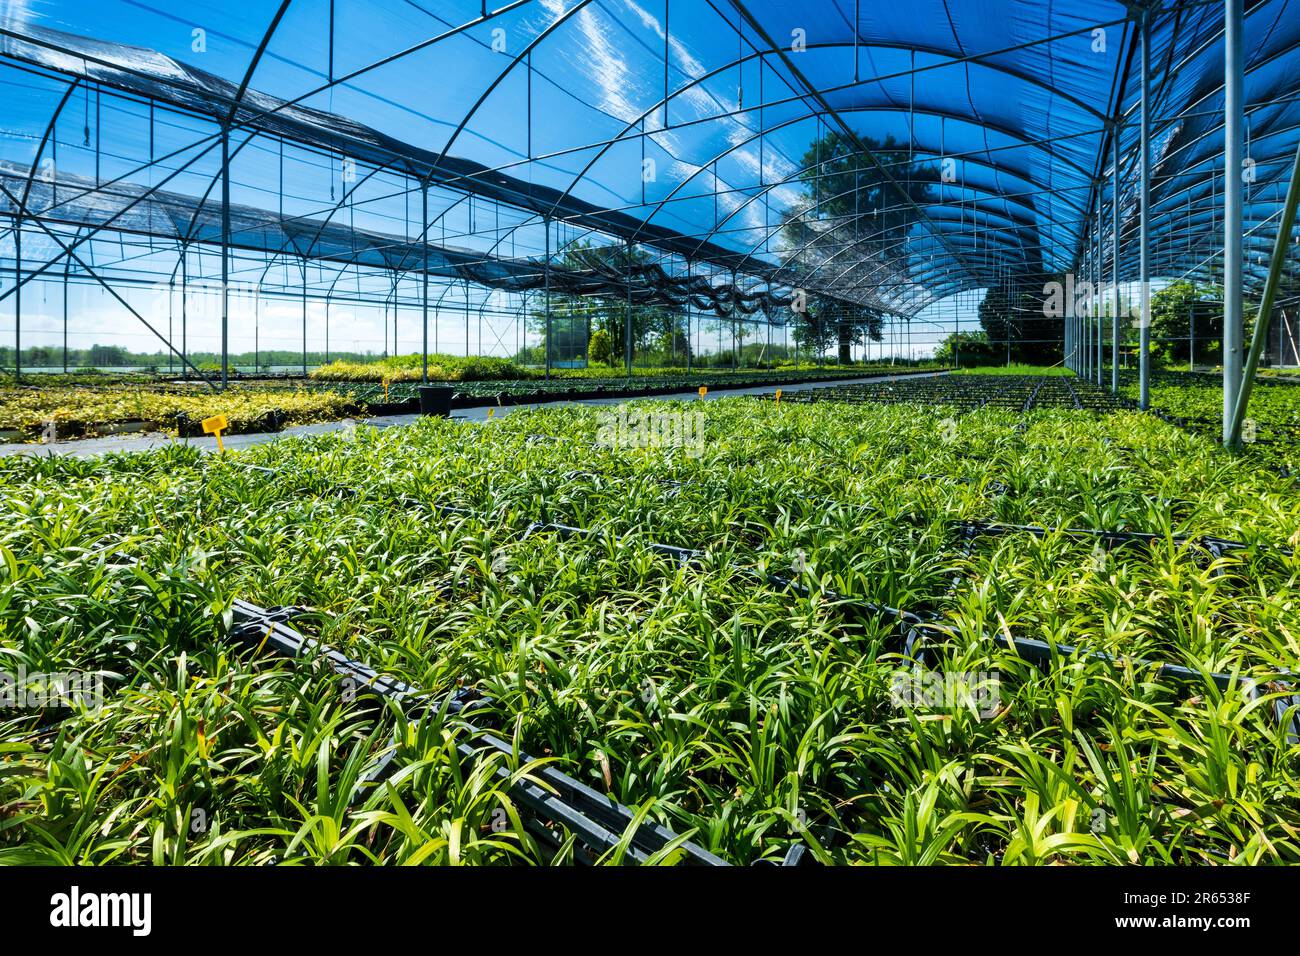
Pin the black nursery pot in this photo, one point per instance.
(436, 400)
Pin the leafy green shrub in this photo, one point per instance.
(600, 350)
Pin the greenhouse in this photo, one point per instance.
(716, 433)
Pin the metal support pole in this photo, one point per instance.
(185, 295)
(1144, 225)
(546, 269)
(1233, 123)
(1271, 283)
(18, 299)
(1087, 330)
(1114, 268)
(627, 322)
(956, 336)
(1065, 337)
(225, 256)
(1071, 327)
(424, 285)
(1097, 294)
(304, 321)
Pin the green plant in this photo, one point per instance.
(703, 694)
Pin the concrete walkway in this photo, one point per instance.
(86, 447)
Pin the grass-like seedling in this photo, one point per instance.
(1195, 401)
(747, 692)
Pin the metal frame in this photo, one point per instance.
(1010, 233)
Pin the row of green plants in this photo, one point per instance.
(462, 369)
(1273, 418)
(101, 405)
(410, 368)
(739, 711)
(33, 414)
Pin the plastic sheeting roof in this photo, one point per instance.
(697, 127)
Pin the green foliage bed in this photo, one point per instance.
(732, 709)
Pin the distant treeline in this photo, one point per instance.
(51, 356)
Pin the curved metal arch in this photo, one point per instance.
(746, 141)
(45, 138)
(559, 21)
(840, 275)
(338, 206)
(862, 239)
(1199, 210)
(1193, 180)
(876, 268)
(235, 103)
(911, 277)
(1016, 224)
(785, 181)
(762, 54)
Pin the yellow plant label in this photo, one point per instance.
(778, 396)
(704, 390)
(215, 426)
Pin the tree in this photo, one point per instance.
(826, 323)
(600, 351)
(1023, 311)
(974, 349)
(1183, 309)
(865, 210)
(572, 315)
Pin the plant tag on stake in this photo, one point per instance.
(704, 390)
(778, 396)
(215, 426)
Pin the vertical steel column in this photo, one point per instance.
(956, 336)
(1114, 268)
(1066, 338)
(1087, 319)
(627, 319)
(1093, 318)
(424, 287)
(1098, 295)
(1071, 328)
(1080, 324)
(304, 319)
(689, 346)
(185, 295)
(225, 255)
(18, 299)
(1233, 122)
(1144, 225)
(546, 285)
